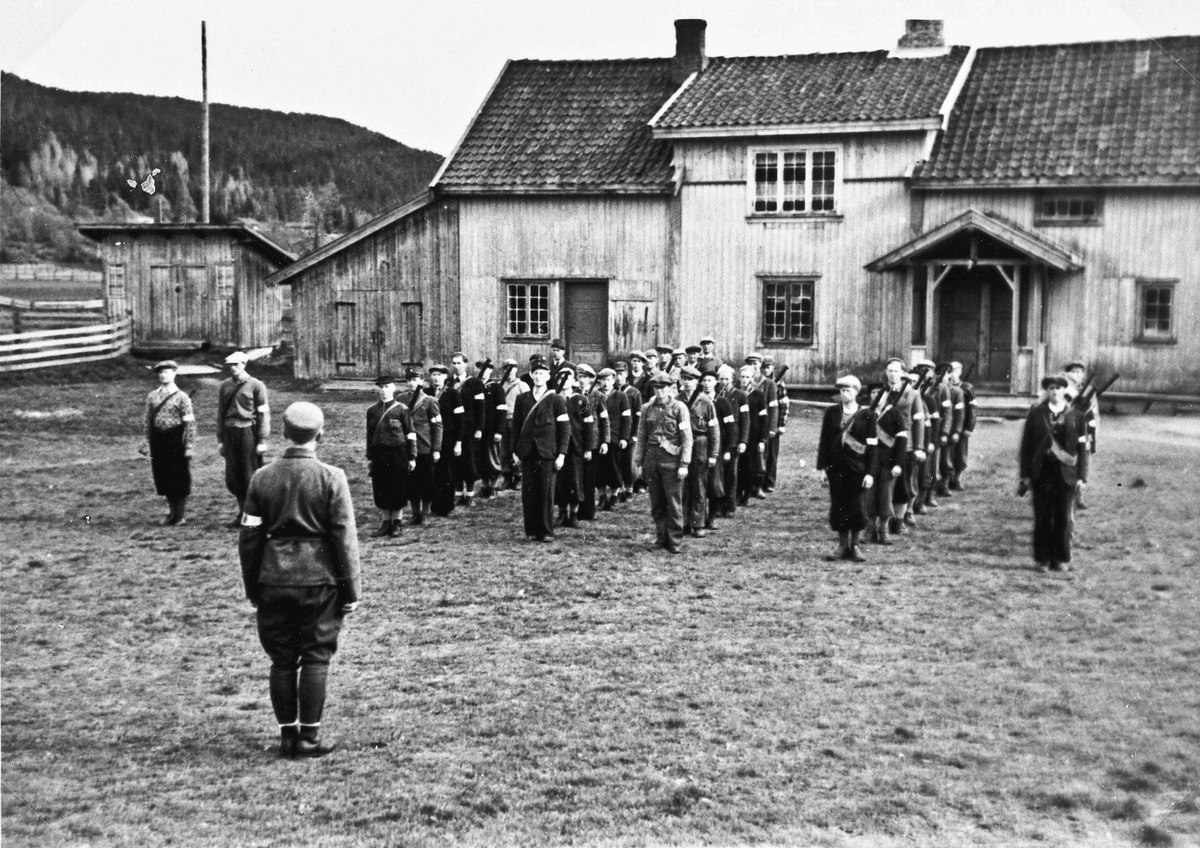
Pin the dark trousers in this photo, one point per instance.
(298, 627)
(463, 468)
(695, 487)
(242, 459)
(1053, 517)
(389, 477)
(442, 502)
(537, 496)
(959, 460)
(666, 498)
(626, 466)
(908, 483)
(729, 502)
(749, 472)
(568, 487)
(929, 469)
(172, 470)
(770, 462)
(845, 499)
(587, 497)
(877, 500)
(420, 482)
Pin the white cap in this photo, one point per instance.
(848, 382)
(237, 357)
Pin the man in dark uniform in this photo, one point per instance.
(473, 399)
(750, 466)
(243, 424)
(958, 459)
(663, 453)
(569, 487)
(770, 392)
(558, 358)
(299, 554)
(451, 409)
(426, 418)
(892, 435)
(706, 445)
(727, 428)
(708, 359)
(170, 441)
(937, 401)
(895, 423)
(1076, 373)
(512, 385)
(610, 480)
(908, 485)
(541, 435)
(1054, 467)
(634, 396)
(391, 454)
(489, 463)
(737, 443)
(954, 406)
(591, 467)
(845, 458)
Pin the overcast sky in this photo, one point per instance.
(416, 70)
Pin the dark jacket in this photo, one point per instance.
(298, 527)
(540, 429)
(620, 416)
(452, 412)
(390, 426)
(855, 452)
(1070, 435)
(473, 399)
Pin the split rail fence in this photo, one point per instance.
(49, 333)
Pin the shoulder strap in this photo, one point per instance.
(382, 417)
(229, 400)
(158, 409)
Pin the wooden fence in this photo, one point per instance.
(21, 316)
(47, 271)
(64, 346)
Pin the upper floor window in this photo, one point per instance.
(796, 181)
(116, 281)
(1068, 207)
(1156, 310)
(788, 316)
(528, 309)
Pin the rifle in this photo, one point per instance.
(1087, 384)
(695, 394)
(779, 373)
(1088, 392)
(967, 374)
(560, 381)
(487, 365)
(508, 372)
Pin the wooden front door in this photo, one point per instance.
(177, 297)
(585, 319)
(374, 332)
(975, 323)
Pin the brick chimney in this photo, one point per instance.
(922, 38)
(689, 49)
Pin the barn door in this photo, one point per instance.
(585, 319)
(360, 333)
(163, 304)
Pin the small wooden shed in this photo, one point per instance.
(192, 284)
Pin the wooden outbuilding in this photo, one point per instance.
(192, 284)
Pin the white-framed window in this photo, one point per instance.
(789, 311)
(1068, 207)
(116, 281)
(224, 281)
(1156, 310)
(795, 180)
(527, 310)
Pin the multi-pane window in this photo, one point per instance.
(116, 281)
(788, 314)
(1156, 311)
(1068, 207)
(224, 281)
(806, 182)
(528, 309)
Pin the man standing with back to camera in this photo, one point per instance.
(299, 554)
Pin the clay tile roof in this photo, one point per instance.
(1098, 113)
(567, 127)
(812, 89)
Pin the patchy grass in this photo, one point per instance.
(495, 692)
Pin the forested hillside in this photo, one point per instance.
(79, 150)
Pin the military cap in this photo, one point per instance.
(1071, 366)
(621, 367)
(165, 364)
(412, 373)
(849, 382)
(708, 371)
(558, 343)
(903, 364)
(955, 365)
(538, 363)
(384, 380)
(679, 351)
(664, 350)
(691, 372)
(692, 348)
(661, 379)
(1055, 380)
(753, 358)
(606, 372)
(303, 418)
(637, 354)
(236, 358)
(586, 370)
(438, 367)
(708, 339)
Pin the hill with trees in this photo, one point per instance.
(90, 154)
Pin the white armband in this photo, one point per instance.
(249, 520)
(563, 417)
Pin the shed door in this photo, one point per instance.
(163, 303)
(585, 317)
(193, 279)
(177, 298)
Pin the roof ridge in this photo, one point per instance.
(1149, 41)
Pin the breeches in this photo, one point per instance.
(878, 498)
(1053, 518)
(845, 499)
(299, 625)
(241, 460)
(171, 469)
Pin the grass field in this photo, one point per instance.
(492, 691)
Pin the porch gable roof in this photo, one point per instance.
(1005, 232)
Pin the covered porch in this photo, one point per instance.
(978, 286)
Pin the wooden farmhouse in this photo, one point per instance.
(1014, 208)
(192, 284)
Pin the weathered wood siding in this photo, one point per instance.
(173, 288)
(861, 318)
(1093, 314)
(403, 284)
(629, 241)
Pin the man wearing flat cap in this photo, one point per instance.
(513, 385)
(706, 445)
(708, 359)
(1076, 372)
(542, 435)
(391, 454)
(243, 424)
(558, 358)
(488, 461)
(170, 437)
(299, 554)
(662, 456)
(629, 480)
(426, 418)
(846, 460)
(451, 409)
(1054, 467)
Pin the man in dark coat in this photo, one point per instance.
(541, 435)
(609, 479)
(391, 454)
(299, 555)
(170, 441)
(845, 458)
(426, 418)
(451, 410)
(570, 486)
(489, 462)
(633, 396)
(1054, 467)
(737, 443)
(243, 424)
(750, 465)
(473, 400)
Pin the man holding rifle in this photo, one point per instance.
(1079, 385)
